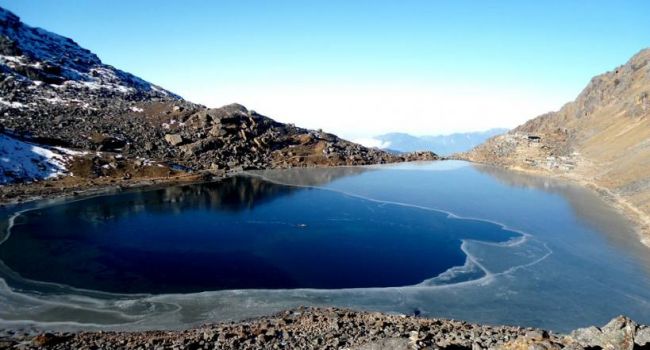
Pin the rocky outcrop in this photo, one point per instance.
(332, 328)
(54, 92)
(620, 333)
(233, 137)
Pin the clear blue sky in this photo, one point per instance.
(213, 51)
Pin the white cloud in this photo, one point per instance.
(358, 111)
(372, 142)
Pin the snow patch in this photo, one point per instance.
(11, 104)
(147, 161)
(23, 161)
(11, 59)
(70, 152)
(159, 90)
(54, 100)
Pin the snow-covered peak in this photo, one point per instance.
(40, 55)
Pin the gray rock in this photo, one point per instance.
(618, 334)
(642, 336)
(218, 131)
(386, 344)
(536, 335)
(174, 139)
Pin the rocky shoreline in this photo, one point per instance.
(75, 187)
(335, 328)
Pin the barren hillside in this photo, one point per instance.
(65, 113)
(602, 138)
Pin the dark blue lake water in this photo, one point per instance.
(407, 238)
(242, 232)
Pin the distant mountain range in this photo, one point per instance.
(440, 144)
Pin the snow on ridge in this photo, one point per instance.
(38, 46)
(23, 161)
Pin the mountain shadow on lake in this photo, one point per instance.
(239, 233)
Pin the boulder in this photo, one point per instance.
(174, 139)
(386, 344)
(642, 337)
(201, 146)
(200, 120)
(217, 131)
(106, 142)
(8, 47)
(618, 334)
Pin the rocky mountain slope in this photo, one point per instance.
(602, 139)
(55, 93)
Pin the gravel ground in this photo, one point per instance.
(334, 328)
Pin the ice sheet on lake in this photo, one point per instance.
(555, 276)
